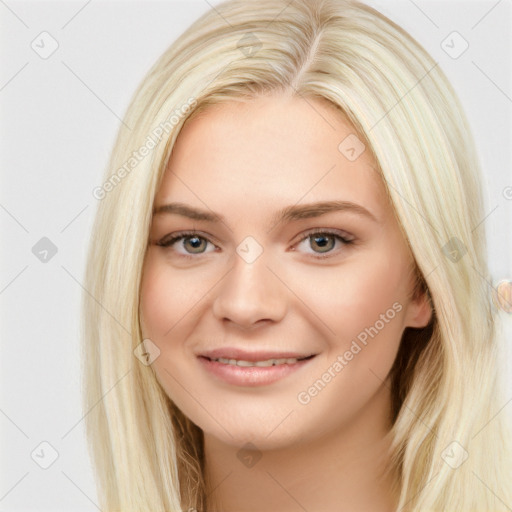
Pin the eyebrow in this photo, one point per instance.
(290, 213)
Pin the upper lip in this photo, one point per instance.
(252, 356)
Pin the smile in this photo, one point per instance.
(240, 372)
(268, 362)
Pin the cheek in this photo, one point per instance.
(354, 295)
(168, 297)
(363, 305)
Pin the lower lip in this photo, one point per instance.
(251, 375)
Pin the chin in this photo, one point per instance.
(244, 437)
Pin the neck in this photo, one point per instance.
(342, 471)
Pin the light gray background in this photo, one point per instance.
(58, 120)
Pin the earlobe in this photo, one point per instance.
(419, 312)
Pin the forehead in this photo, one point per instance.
(271, 149)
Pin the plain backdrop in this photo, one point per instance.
(59, 115)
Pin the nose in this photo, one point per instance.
(250, 295)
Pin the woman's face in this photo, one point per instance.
(288, 249)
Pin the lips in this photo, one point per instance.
(237, 354)
(239, 367)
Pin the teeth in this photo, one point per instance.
(268, 362)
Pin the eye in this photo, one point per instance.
(189, 243)
(323, 242)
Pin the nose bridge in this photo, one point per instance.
(249, 292)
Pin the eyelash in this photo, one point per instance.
(186, 234)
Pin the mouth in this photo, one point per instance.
(242, 368)
(260, 364)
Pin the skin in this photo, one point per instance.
(246, 161)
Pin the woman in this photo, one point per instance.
(288, 307)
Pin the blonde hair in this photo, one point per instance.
(446, 388)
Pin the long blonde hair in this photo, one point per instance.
(446, 388)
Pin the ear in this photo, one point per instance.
(419, 311)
